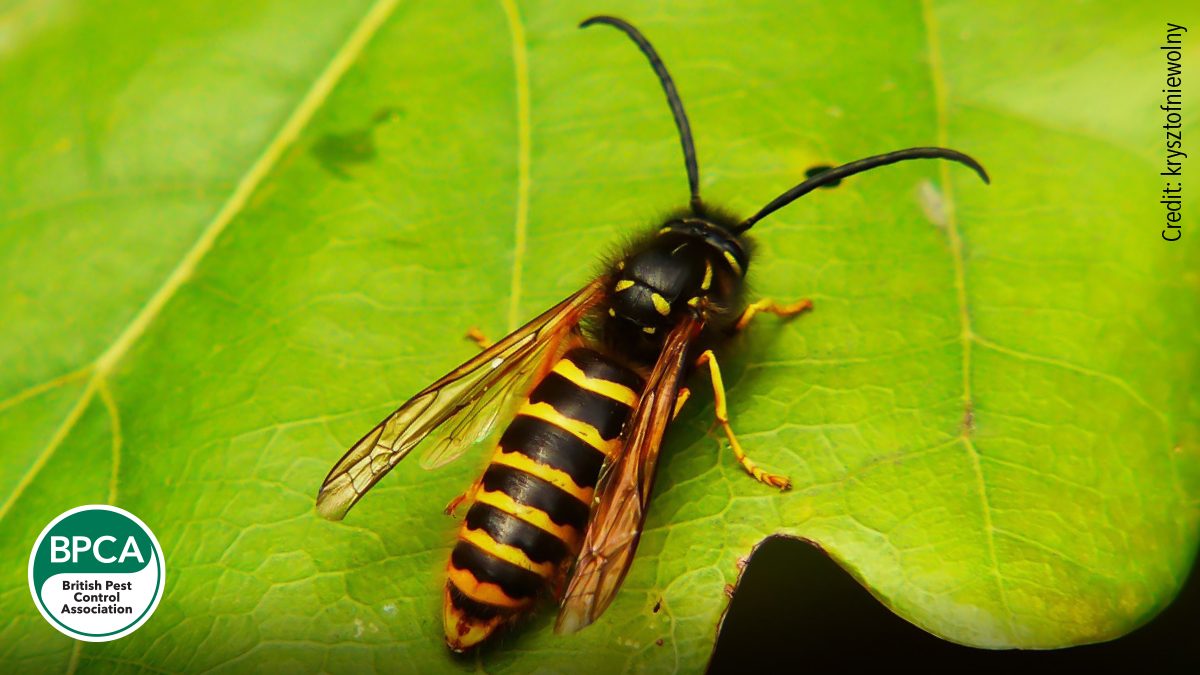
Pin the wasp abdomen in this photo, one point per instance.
(533, 502)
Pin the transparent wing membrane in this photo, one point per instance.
(472, 399)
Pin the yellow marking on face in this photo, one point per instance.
(613, 390)
(482, 591)
(463, 631)
(665, 230)
(707, 283)
(660, 304)
(622, 285)
(535, 517)
(612, 312)
(649, 330)
(620, 264)
(694, 302)
(733, 262)
(483, 541)
(581, 430)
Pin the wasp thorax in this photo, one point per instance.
(691, 265)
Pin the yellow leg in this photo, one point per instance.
(714, 371)
(454, 503)
(475, 335)
(767, 305)
(457, 501)
(682, 398)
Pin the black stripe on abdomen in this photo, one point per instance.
(474, 608)
(569, 399)
(547, 444)
(530, 490)
(517, 583)
(504, 528)
(602, 367)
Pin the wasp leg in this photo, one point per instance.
(558, 583)
(714, 372)
(457, 501)
(768, 305)
(475, 335)
(684, 394)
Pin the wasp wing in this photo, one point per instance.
(476, 421)
(615, 526)
(496, 373)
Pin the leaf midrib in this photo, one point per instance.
(99, 370)
(966, 335)
(520, 57)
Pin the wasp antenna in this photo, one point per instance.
(668, 85)
(838, 173)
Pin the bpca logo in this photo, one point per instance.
(96, 573)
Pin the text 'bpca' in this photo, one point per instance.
(63, 549)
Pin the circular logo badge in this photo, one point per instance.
(96, 573)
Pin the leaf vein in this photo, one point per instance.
(60, 434)
(1067, 365)
(520, 56)
(76, 652)
(296, 122)
(114, 417)
(938, 78)
(128, 662)
(22, 396)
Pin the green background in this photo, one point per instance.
(237, 234)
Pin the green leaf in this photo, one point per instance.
(239, 233)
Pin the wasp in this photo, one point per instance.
(587, 390)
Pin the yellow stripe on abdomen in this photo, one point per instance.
(482, 540)
(482, 591)
(581, 430)
(613, 390)
(536, 517)
(558, 479)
